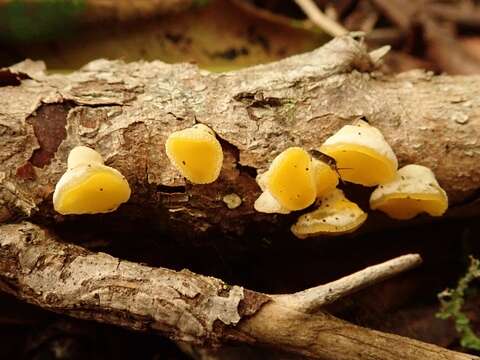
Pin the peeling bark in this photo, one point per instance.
(126, 112)
(39, 269)
(68, 279)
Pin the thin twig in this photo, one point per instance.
(312, 299)
(320, 19)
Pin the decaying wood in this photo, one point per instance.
(39, 269)
(325, 23)
(448, 53)
(126, 111)
(313, 299)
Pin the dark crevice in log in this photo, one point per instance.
(11, 78)
(48, 122)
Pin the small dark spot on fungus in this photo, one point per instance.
(323, 220)
(89, 165)
(403, 177)
(183, 162)
(336, 218)
(101, 189)
(359, 133)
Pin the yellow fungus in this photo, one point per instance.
(196, 154)
(232, 200)
(291, 181)
(335, 215)
(413, 191)
(81, 155)
(326, 178)
(88, 186)
(266, 203)
(362, 154)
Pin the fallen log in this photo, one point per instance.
(126, 112)
(38, 268)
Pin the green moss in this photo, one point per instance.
(451, 302)
(289, 108)
(22, 21)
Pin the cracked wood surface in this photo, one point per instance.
(38, 268)
(69, 279)
(126, 112)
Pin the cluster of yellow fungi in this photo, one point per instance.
(90, 187)
(295, 180)
(361, 155)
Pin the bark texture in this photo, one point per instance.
(126, 111)
(69, 279)
(39, 269)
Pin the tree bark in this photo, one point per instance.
(126, 111)
(39, 269)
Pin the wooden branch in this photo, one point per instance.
(461, 15)
(126, 111)
(67, 279)
(444, 49)
(399, 12)
(310, 300)
(325, 23)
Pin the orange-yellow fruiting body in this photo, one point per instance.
(326, 178)
(336, 215)
(196, 154)
(97, 191)
(413, 191)
(362, 155)
(291, 181)
(88, 186)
